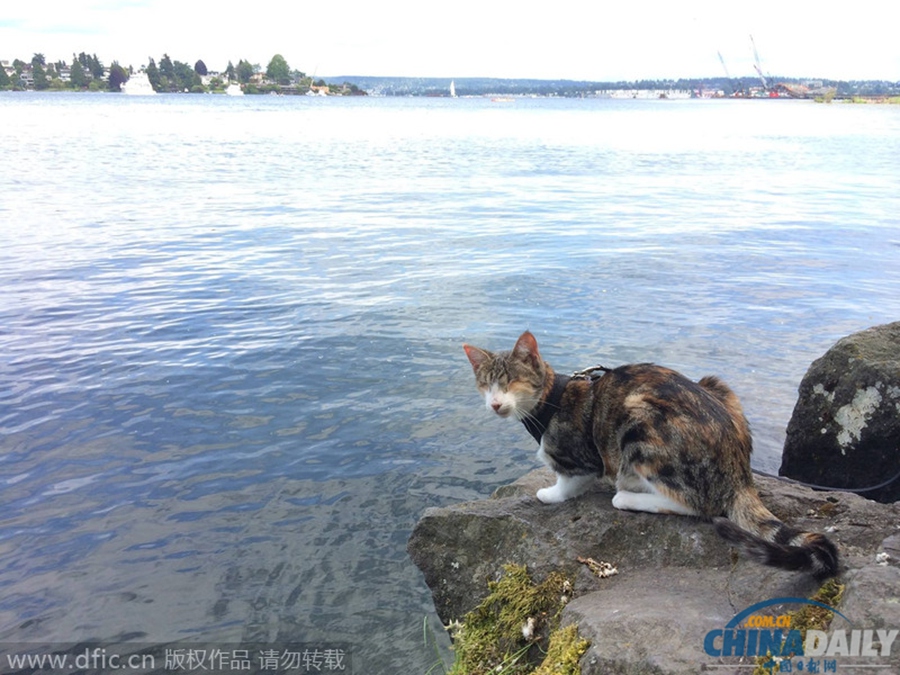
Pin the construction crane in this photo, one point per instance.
(727, 74)
(724, 67)
(758, 66)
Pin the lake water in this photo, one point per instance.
(231, 375)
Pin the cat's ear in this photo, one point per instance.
(476, 356)
(526, 349)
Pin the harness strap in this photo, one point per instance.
(590, 373)
(537, 422)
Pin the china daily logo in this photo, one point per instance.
(752, 634)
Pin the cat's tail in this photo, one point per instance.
(762, 537)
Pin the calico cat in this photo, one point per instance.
(672, 445)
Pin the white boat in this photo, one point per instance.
(452, 89)
(138, 85)
(234, 89)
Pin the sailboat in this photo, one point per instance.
(452, 89)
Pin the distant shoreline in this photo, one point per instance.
(88, 73)
(707, 87)
(635, 94)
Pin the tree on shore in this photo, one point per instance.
(38, 73)
(117, 76)
(186, 78)
(166, 75)
(244, 71)
(91, 65)
(96, 68)
(167, 68)
(278, 70)
(153, 74)
(77, 78)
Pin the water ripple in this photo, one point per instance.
(231, 374)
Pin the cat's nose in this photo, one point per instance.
(496, 406)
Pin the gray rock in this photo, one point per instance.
(677, 580)
(845, 429)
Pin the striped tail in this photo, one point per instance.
(752, 528)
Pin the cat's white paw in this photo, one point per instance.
(623, 501)
(566, 487)
(551, 495)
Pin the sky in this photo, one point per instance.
(596, 40)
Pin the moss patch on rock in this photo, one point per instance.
(564, 653)
(515, 630)
(808, 617)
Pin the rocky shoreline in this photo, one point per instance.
(677, 580)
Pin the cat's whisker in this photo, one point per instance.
(523, 415)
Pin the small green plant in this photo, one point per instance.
(515, 630)
(438, 665)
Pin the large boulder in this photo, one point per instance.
(676, 579)
(845, 430)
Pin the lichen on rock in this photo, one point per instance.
(852, 418)
(845, 428)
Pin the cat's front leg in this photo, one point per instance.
(565, 488)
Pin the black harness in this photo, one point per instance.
(536, 423)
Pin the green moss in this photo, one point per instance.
(808, 617)
(564, 653)
(491, 638)
(818, 618)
